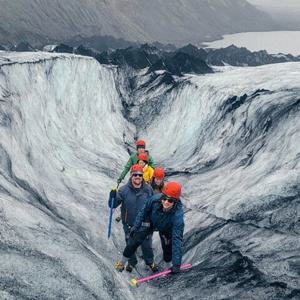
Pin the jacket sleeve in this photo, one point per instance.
(148, 174)
(117, 201)
(126, 168)
(151, 171)
(151, 162)
(150, 191)
(143, 213)
(177, 238)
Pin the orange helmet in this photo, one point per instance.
(136, 169)
(159, 173)
(140, 143)
(172, 190)
(143, 156)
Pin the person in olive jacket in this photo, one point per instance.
(163, 213)
(132, 197)
(133, 159)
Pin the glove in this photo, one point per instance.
(175, 269)
(132, 232)
(113, 194)
(119, 180)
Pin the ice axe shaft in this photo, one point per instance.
(111, 211)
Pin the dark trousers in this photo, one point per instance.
(166, 244)
(146, 246)
(138, 239)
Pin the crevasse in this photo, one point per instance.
(232, 139)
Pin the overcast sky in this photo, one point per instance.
(284, 12)
(288, 4)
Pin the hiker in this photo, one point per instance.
(148, 170)
(157, 181)
(163, 213)
(133, 159)
(132, 197)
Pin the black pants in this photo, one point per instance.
(140, 236)
(146, 246)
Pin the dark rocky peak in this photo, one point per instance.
(176, 62)
(193, 51)
(23, 47)
(230, 49)
(63, 48)
(234, 48)
(287, 57)
(121, 57)
(181, 63)
(150, 49)
(159, 65)
(81, 50)
(236, 56)
(164, 47)
(137, 58)
(2, 48)
(103, 58)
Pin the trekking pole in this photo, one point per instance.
(111, 214)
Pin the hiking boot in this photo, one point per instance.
(119, 266)
(129, 268)
(153, 267)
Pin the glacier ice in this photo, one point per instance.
(232, 138)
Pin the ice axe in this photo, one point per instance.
(112, 196)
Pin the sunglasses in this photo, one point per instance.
(169, 199)
(137, 175)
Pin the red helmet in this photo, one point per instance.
(143, 156)
(136, 169)
(159, 173)
(140, 143)
(172, 189)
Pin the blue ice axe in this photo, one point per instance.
(111, 211)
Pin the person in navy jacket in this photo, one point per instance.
(163, 213)
(132, 197)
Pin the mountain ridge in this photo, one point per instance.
(135, 20)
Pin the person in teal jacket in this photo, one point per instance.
(133, 159)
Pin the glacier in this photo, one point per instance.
(232, 139)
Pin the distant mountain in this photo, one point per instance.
(63, 48)
(104, 43)
(188, 59)
(82, 50)
(236, 56)
(170, 21)
(100, 43)
(23, 47)
(194, 51)
(181, 63)
(286, 13)
(175, 62)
